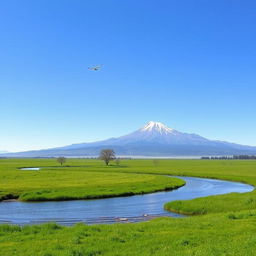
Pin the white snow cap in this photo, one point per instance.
(157, 126)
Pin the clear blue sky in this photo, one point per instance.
(188, 64)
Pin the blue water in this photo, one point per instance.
(30, 169)
(120, 209)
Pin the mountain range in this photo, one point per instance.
(154, 139)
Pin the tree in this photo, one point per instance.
(107, 155)
(61, 160)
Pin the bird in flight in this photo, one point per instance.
(95, 68)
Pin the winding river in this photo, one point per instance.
(119, 209)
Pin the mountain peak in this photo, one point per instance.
(154, 139)
(156, 126)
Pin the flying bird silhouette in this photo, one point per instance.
(95, 68)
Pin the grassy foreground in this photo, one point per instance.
(227, 227)
(210, 235)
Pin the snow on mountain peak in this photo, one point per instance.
(157, 126)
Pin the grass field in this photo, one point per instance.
(227, 227)
(85, 181)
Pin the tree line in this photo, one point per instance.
(234, 157)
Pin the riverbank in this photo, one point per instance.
(213, 234)
(76, 182)
(113, 210)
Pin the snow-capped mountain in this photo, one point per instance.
(153, 139)
(156, 127)
(159, 133)
(152, 132)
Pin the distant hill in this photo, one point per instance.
(154, 139)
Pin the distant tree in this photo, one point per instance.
(117, 161)
(61, 160)
(107, 155)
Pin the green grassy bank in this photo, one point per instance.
(210, 235)
(84, 179)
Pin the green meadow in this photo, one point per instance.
(218, 225)
(77, 180)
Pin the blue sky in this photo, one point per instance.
(188, 64)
